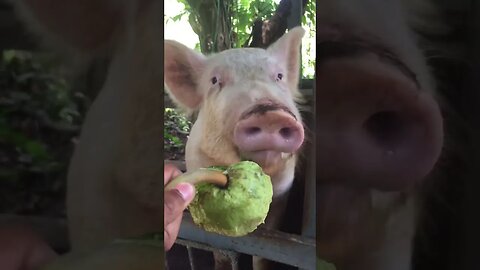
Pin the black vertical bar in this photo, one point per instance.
(467, 258)
(295, 19)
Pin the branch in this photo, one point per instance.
(266, 32)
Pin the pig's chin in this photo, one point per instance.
(269, 160)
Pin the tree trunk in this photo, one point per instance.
(267, 32)
(211, 21)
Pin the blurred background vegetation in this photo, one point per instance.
(42, 106)
(39, 121)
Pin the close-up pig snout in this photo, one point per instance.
(387, 140)
(267, 127)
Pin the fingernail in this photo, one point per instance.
(186, 190)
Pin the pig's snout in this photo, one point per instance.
(385, 141)
(270, 131)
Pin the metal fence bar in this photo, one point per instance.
(277, 246)
(309, 221)
(190, 257)
(465, 255)
(295, 17)
(232, 255)
(309, 213)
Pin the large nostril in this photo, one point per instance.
(286, 133)
(387, 128)
(253, 131)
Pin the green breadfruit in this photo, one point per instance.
(235, 208)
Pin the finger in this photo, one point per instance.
(170, 172)
(176, 200)
(170, 232)
(23, 248)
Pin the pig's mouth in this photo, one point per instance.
(268, 160)
(268, 133)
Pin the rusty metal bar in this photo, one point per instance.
(277, 246)
(193, 244)
(233, 256)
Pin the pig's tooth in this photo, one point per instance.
(285, 155)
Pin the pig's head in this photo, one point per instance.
(378, 123)
(379, 133)
(246, 103)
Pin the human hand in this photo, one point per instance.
(23, 248)
(176, 201)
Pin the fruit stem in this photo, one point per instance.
(199, 176)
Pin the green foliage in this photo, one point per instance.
(175, 132)
(310, 15)
(34, 85)
(242, 14)
(187, 10)
(39, 116)
(247, 11)
(308, 46)
(31, 149)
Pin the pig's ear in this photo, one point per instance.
(183, 67)
(287, 51)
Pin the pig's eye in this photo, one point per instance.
(214, 80)
(279, 76)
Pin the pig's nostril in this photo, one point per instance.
(253, 131)
(285, 132)
(386, 128)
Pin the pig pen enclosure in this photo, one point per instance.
(294, 247)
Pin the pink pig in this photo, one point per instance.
(246, 104)
(379, 134)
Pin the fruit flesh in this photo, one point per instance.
(237, 209)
